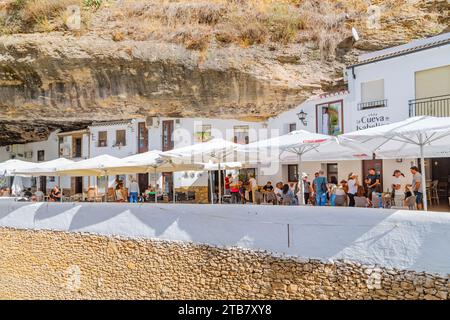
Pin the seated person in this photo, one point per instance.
(119, 193)
(268, 187)
(55, 194)
(361, 201)
(28, 194)
(38, 196)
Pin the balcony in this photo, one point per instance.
(372, 104)
(438, 106)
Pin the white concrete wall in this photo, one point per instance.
(401, 239)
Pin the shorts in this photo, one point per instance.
(419, 197)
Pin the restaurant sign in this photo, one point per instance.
(371, 120)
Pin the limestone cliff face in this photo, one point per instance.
(105, 71)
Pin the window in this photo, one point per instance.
(372, 95)
(41, 155)
(372, 90)
(330, 118)
(433, 82)
(202, 133)
(292, 127)
(102, 138)
(121, 138)
(292, 173)
(241, 134)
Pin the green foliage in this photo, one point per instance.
(92, 3)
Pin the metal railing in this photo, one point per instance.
(438, 106)
(372, 104)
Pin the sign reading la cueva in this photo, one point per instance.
(371, 120)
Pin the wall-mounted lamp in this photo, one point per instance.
(302, 117)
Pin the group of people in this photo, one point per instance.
(353, 192)
(134, 194)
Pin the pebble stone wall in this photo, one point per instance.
(49, 264)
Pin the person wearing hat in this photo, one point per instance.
(397, 190)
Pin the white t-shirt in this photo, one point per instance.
(399, 181)
(352, 188)
(253, 183)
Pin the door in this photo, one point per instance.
(377, 164)
(43, 184)
(332, 171)
(77, 184)
(167, 184)
(143, 181)
(77, 148)
(142, 137)
(167, 135)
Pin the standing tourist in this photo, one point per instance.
(307, 189)
(320, 188)
(227, 191)
(373, 183)
(234, 190)
(417, 186)
(133, 191)
(352, 185)
(253, 187)
(398, 194)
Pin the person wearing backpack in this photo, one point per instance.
(320, 189)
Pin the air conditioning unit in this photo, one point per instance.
(152, 122)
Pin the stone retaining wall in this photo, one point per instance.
(65, 265)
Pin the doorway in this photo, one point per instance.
(143, 181)
(332, 171)
(77, 184)
(43, 184)
(440, 171)
(77, 148)
(214, 179)
(167, 132)
(142, 137)
(167, 184)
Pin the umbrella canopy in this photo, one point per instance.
(47, 168)
(415, 137)
(96, 166)
(215, 150)
(307, 146)
(310, 146)
(223, 166)
(10, 167)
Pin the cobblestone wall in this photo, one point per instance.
(48, 264)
